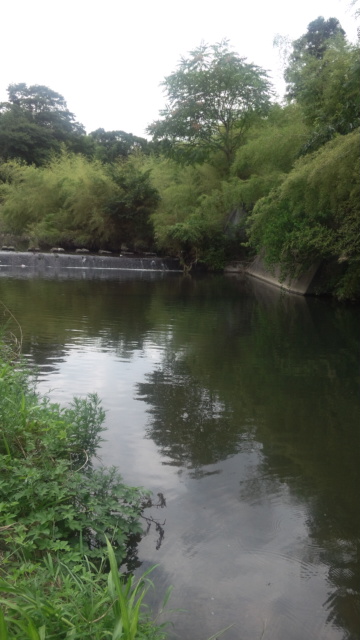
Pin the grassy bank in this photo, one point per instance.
(65, 527)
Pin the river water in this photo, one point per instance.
(241, 405)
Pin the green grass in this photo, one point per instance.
(53, 601)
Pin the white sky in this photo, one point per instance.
(108, 58)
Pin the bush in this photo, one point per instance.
(52, 499)
(75, 202)
(314, 215)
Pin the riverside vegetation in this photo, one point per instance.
(66, 527)
(223, 150)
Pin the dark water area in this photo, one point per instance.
(241, 405)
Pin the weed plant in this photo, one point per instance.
(63, 524)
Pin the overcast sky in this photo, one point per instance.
(108, 58)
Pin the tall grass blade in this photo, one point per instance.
(118, 588)
(6, 445)
(3, 627)
(118, 631)
(32, 631)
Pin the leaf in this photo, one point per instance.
(3, 627)
(118, 631)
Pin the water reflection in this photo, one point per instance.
(279, 382)
(248, 401)
(189, 423)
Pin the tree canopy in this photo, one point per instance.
(323, 76)
(316, 39)
(212, 97)
(34, 122)
(44, 107)
(76, 202)
(112, 145)
(308, 49)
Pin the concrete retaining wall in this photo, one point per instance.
(47, 263)
(301, 285)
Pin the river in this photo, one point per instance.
(241, 405)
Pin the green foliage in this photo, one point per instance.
(191, 221)
(58, 515)
(212, 98)
(51, 499)
(309, 51)
(268, 154)
(330, 94)
(316, 40)
(135, 200)
(272, 144)
(34, 123)
(52, 600)
(22, 139)
(180, 188)
(314, 214)
(195, 240)
(112, 145)
(61, 203)
(75, 202)
(188, 222)
(323, 77)
(47, 107)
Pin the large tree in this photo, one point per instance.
(45, 107)
(34, 122)
(308, 49)
(323, 78)
(212, 97)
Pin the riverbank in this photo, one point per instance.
(66, 527)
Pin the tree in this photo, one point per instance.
(315, 41)
(309, 48)
(46, 108)
(130, 208)
(323, 78)
(22, 139)
(35, 122)
(212, 98)
(112, 145)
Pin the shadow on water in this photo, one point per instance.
(252, 399)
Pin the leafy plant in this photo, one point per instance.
(57, 602)
(212, 97)
(314, 215)
(63, 522)
(76, 202)
(51, 497)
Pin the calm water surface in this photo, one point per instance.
(241, 405)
